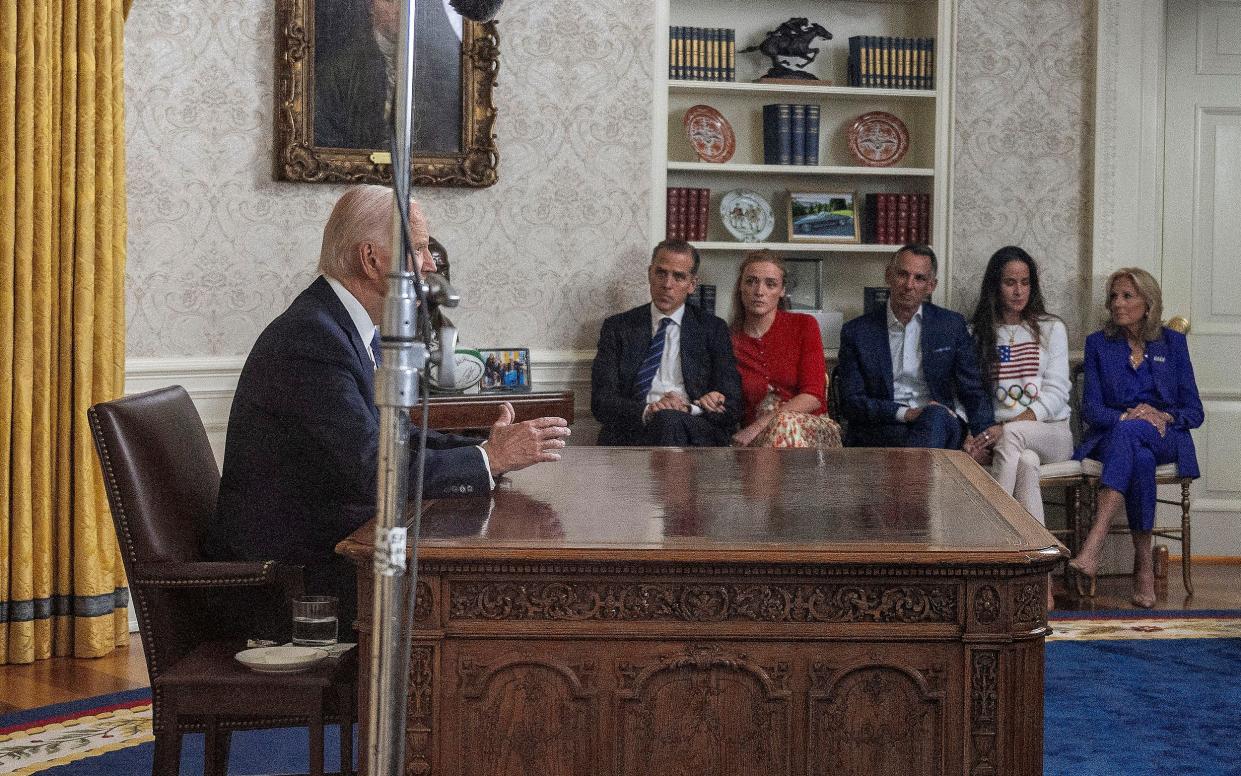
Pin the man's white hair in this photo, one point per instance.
(362, 214)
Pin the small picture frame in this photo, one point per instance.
(823, 216)
(803, 283)
(505, 370)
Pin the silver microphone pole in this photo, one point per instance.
(404, 359)
(396, 393)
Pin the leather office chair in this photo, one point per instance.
(194, 615)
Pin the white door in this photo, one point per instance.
(1201, 255)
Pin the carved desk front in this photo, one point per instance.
(654, 611)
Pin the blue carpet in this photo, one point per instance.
(1131, 708)
(253, 753)
(1141, 708)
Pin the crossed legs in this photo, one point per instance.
(1129, 453)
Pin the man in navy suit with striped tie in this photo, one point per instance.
(664, 373)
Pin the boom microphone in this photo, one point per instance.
(477, 10)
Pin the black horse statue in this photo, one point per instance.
(791, 40)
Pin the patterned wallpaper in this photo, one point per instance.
(1023, 147)
(217, 248)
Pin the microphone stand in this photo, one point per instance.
(404, 360)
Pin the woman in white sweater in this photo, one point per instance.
(1024, 355)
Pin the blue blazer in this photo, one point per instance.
(949, 365)
(707, 364)
(301, 455)
(1105, 395)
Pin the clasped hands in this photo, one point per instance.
(1144, 411)
(711, 401)
(514, 446)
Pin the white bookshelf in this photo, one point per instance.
(846, 267)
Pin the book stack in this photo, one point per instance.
(791, 134)
(701, 54)
(874, 298)
(892, 63)
(896, 219)
(703, 297)
(687, 213)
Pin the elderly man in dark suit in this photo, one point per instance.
(664, 372)
(905, 367)
(300, 461)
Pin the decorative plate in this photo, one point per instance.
(878, 139)
(280, 660)
(746, 215)
(467, 369)
(710, 134)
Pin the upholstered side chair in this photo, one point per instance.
(194, 615)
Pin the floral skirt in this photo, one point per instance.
(799, 429)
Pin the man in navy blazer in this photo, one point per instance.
(300, 461)
(905, 367)
(664, 372)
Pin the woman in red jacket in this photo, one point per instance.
(780, 358)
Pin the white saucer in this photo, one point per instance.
(280, 660)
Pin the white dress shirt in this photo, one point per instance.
(909, 388)
(669, 379)
(357, 313)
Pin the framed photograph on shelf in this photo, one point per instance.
(823, 216)
(804, 283)
(505, 369)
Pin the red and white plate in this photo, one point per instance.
(878, 139)
(710, 134)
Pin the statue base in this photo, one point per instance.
(807, 81)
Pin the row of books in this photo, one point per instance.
(892, 63)
(687, 213)
(702, 54)
(790, 134)
(703, 297)
(896, 219)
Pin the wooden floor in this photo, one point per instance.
(1217, 586)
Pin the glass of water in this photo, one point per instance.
(314, 621)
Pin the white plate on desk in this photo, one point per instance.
(280, 660)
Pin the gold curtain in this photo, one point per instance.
(62, 323)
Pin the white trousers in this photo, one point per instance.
(1024, 445)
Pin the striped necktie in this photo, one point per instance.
(650, 364)
(376, 351)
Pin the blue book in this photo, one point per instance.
(777, 134)
(798, 132)
(812, 134)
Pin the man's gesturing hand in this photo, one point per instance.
(514, 446)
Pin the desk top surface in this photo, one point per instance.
(721, 504)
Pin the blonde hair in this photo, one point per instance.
(362, 214)
(757, 257)
(1148, 289)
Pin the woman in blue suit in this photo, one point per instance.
(1140, 401)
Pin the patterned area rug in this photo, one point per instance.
(1127, 692)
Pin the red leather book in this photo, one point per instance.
(904, 218)
(887, 215)
(670, 212)
(704, 211)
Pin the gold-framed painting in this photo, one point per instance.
(334, 85)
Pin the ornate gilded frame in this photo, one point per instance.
(298, 159)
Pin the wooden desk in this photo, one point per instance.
(728, 612)
(474, 412)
